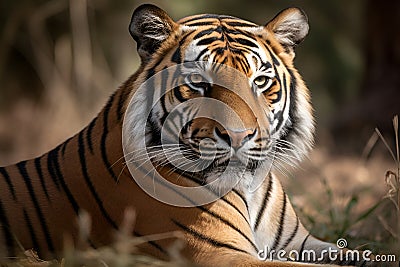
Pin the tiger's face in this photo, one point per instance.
(223, 98)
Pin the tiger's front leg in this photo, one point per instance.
(217, 240)
(282, 236)
(221, 235)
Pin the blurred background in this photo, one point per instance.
(61, 59)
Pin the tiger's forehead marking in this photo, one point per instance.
(224, 40)
(212, 19)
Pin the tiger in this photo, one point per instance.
(214, 92)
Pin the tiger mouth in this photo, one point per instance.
(233, 163)
(236, 163)
(207, 160)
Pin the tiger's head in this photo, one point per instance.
(218, 97)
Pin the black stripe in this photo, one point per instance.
(164, 80)
(261, 139)
(257, 150)
(236, 208)
(82, 159)
(296, 228)
(229, 40)
(265, 66)
(236, 31)
(281, 223)
(246, 42)
(51, 170)
(193, 18)
(178, 95)
(206, 32)
(5, 225)
(89, 134)
(32, 233)
(201, 54)
(242, 197)
(207, 41)
(246, 62)
(4, 172)
(176, 56)
(240, 65)
(241, 24)
(207, 16)
(38, 167)
(284, 88)
(291, 123)
(200, 19)
(264, 204)
(121, 102)
(219, 51)
(22, 170)
(104, 138)
(150, 73)
(303, 244)
(278, 94)
(202, 23)
(274, 58)
(152, 243)
(53, 155)
(164, 110)
(231, 225)
(150, 124)
(184, 38)
(64, 146)
(208, 239)
(198, 182)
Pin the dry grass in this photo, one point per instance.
(392, 180)
(351, 197)
(122, 253)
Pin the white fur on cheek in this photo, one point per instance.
(133, 130)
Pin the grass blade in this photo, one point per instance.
(368, 212)
(386, 144)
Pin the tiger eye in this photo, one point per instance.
(261, 81)
(196, 78)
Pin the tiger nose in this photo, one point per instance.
(236, 138)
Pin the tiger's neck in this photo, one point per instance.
(100, 152)
(101, 140)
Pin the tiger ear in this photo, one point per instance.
(150, 26)
(289, 27)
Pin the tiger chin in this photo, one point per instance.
(216, 105)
